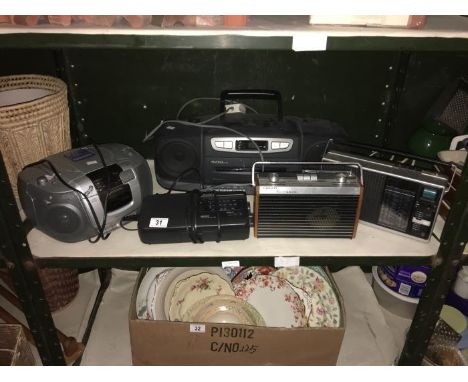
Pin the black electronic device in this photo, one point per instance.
(201, 156)
(399, 195)
(194, 217)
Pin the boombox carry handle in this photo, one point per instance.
(353, 164)
(252, 94)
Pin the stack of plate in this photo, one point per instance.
(259, 296)
(202, 294)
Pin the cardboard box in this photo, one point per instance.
(183, 343)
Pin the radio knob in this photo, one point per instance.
(41, 180)
(341, 177)
(273, 177)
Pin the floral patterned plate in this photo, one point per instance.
(194, 288)
(223, 309)
(275, 299)
(141, 299)
(320, 270)
(318, 316)
(248, 272)
(314, 310)
(168, 285)
(313, 282)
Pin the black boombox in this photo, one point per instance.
(188, 156)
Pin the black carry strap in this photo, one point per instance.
(218, 217)
(191, 213)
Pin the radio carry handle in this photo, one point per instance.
(434, 162)
(393, 152)
(351, 164)
(264, 94)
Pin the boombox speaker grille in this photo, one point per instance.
(175, 157)
(62, 219)
(307, 216)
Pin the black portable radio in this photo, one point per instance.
(398, 194)
(194, 217)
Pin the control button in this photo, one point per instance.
(304, 177)
(228, 145)
(284, 145)
(219, 144)
(126, 176)
(41, 181)
(426, 223)
(275, 145)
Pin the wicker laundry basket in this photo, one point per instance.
(34, 121)
(14, 348)
(60, 285)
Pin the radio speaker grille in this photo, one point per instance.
(307, 216)
(372, 199)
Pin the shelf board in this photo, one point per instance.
(371, 246)
(263, 32)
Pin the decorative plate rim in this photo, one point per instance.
(294, 301)
(223, 286)
(324, 293)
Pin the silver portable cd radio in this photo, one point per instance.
(63, 213)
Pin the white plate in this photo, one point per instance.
(167, 286)
(154, 295)
(141, 299)
(195, 288)
(313, 282)
(275, 299)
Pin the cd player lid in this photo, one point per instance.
(79, 162)
(73, 166)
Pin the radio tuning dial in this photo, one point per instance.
(273, 177)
